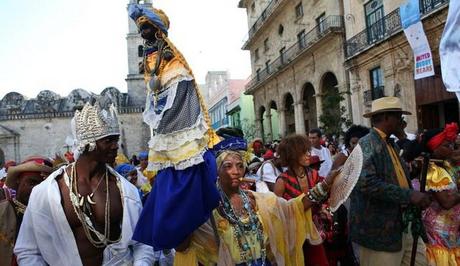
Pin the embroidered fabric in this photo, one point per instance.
(150, 117)
(184, 111)
(164, 142)
(193, 160)
(174, 76)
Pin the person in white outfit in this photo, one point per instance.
(322, 152)
(85, 213)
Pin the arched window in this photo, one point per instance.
(140, 51)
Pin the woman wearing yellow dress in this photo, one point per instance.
(442, 218)
(250, 228)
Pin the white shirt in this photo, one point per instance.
(45, 237)
(324, 155)
(268, 172)
(141, 178)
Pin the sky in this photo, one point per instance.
(61, 45)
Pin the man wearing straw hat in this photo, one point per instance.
(381, 201)
(20, 180)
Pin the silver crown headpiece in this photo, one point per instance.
(93, 123)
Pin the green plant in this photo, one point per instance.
(249, 129)
(334, 118)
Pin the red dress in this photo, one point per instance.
(314, 255)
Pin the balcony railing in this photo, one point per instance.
(330, 24)
(260, 20)
(220, 123)
(386, 27)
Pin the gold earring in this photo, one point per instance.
(158, 32)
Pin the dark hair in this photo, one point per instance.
(316, 131)
(291, 148)
(414, 148)
(227, 132)
(355, 131)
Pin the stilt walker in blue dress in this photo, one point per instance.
(184, 192)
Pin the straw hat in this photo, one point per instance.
(31, 165)
(386, 104)
(347, 179)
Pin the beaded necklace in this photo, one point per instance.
(242, 229)
(101, 240)
(20, 208)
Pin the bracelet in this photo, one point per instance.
(321, 190)
(311, 197)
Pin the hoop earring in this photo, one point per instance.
(160, 37)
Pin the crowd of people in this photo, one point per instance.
(205, 197)
(272, 210)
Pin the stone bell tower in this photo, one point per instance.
(135, 79)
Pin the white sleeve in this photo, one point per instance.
(269, 174)
(26, 248)
(143, 254)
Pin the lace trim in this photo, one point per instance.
(172, 141)
(152, 119)
(194, 160)
(450, 186)
(178, 74)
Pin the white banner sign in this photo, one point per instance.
(413, 28)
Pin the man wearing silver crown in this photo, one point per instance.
(85, 213)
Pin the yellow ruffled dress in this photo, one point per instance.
(286, 227)
(441, 225)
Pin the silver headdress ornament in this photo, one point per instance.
(93, 123)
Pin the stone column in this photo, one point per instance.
(282, 122)
(268, 117)
(319, 108)
(259, 128)
(299, 118)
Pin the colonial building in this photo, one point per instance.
(228, 106)
(42, 125)
(380, 61)
(297, 57)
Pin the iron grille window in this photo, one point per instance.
(258, 74)
(377, 87)
(321, 22)
(266, 46)
(299, 10)
(280, 30)
(301, 39)
(282, 53)
(375, 23)
(140, 51)
(429, 5)
(267, 66)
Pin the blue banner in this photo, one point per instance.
(410, 13)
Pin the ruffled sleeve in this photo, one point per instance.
(288, 226)
(438, 179)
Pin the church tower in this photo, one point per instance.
(135, 80)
